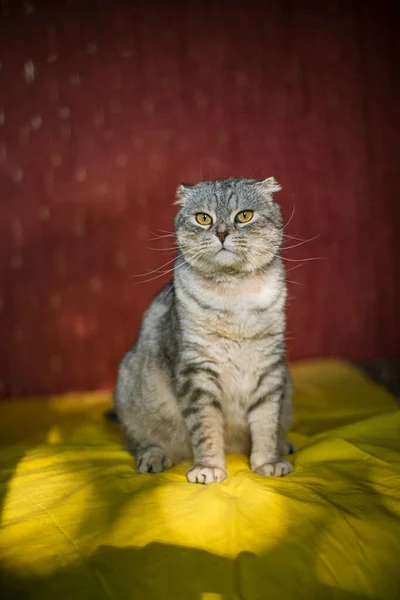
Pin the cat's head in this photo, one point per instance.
(229, 226)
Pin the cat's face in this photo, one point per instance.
(229, 226)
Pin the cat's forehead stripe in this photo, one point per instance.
(222, 196)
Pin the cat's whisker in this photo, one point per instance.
(167, 249)
(157, 276)
(159, 234)
(195, 258)
(293, 268)
(302, 260)
(166, 272)
(291, 217)
(160, 237)
(296, 282)
(302, 242)
(163, 231)
(176, 268)
(167, 292)
(188, 266)
(154, 270)
(292, 237)
(192, 255)
(199, 258)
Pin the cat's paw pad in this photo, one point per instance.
(277, 469)
(204, 474)
(153, 461)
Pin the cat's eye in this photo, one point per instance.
(244, 217)
(203, 219)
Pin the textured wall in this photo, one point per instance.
(106, 106)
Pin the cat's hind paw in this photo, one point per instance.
(152, 460)
(277, 469)
(204, 474)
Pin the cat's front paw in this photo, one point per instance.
(276, 469)
(152, 460)
(204, 474)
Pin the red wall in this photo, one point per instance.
(128, 99)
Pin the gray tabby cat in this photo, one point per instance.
(208, 374)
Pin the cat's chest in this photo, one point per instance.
(240, 346)
(235, 326)
(235, 313)
(238, 365)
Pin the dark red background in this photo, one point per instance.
(130, 98)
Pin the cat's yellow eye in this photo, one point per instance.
(203, 219)
(244, 217)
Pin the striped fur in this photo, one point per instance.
(208, 374)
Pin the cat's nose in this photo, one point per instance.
(222, 235)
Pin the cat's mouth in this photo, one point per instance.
(226, 255)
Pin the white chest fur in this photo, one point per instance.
(230, 323)
(237, 309)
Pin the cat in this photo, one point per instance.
(208, 374)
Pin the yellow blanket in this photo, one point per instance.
(77, 523)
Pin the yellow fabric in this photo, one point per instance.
(78, 523)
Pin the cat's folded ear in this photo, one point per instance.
(182, 193)
(269, 186)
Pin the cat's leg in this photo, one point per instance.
(152, 456)
(287, 446)
(154, 429)
(151, 459)
(269, 415)
(199, 397)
